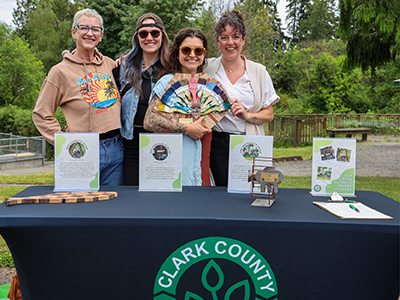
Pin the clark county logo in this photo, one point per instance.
(215, 268)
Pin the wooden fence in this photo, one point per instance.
(295, 130)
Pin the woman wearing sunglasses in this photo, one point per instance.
(187, 55)
(249, 86)
(135, 78)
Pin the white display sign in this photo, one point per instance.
(76, 162)
(333, 166)
(243, 148)
(160, 165)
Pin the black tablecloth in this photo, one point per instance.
(114, 249)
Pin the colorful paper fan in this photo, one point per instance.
(192, 96)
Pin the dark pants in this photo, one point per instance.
(219, 157)
(131, 158)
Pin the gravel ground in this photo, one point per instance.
(6, 275)
(372, 159)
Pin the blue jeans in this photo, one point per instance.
(111, 161)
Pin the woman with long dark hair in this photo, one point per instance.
(187, 55)
(136, 77)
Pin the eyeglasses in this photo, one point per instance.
(154, 33)
(96, 30)
(198, 51)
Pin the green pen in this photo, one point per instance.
(354, 208)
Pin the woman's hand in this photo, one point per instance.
(238, 110)
(261, 117)
(196, 130)
(156, 123)
(118, 61)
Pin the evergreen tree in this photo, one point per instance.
(322, 21)
(297, 12)
(372, 31)
(20, 15)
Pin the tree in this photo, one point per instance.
(384, 95)
(21, 74)
(20, 15)
(46, 24)
(314, 80)
(206, 22)
(113, 12)
(372, 31)
(322, 21)
(263, 24)
(326, 88)
(175, 14)
(297, 11)
(312, 20)
(261, 37)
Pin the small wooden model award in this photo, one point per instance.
(264, 181)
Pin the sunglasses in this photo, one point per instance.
(198, 51)
(154, 33)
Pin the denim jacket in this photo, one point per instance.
(129, 103)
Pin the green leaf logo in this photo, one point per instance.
(94, 184)
(212, 289)
(236, 140)
(177, 183)
(60, 141)
(144, 141)
(321, 143)
(206, 258)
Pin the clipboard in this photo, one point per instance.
(343, 210)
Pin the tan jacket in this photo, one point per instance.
(85, 92)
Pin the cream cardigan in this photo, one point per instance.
(257, 75)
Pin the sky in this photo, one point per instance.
(6, 9)
(7, 6)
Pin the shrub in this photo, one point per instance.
(19, 121)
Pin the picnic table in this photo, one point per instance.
(349, 132)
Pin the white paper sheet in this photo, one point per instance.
(160, 162)
(333, 167)
(344, 210)
(242, 150)
(76, 162)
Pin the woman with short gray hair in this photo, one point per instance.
(83, 87)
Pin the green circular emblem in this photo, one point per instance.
(250, 151)
(317, 188)
(199, 270)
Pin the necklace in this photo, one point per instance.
(230, 70)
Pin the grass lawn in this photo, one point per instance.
(388, 186)
(304, 152)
